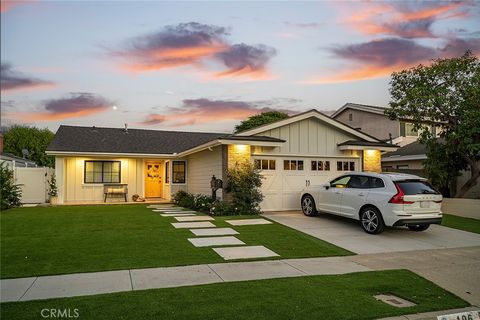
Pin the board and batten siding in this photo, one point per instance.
(309, 137)
(201, 166)
(76, 190)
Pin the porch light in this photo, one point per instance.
(241, 148)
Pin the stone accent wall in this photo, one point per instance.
(231, 156)
(372, 161)
(238, 154)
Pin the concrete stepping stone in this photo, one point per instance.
(215, 241)
(160, 206)
(185, 225)
(246, 252)
(213, 232)
(176, 214)
(248, 222)
(196, 218)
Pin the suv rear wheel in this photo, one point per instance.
(418, 227)
(308, 206)
(371, 220)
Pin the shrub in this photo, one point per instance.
(183, 199)
(52, 186)
(202, 202)
(222, 208)
(243, 183)
(10, 192)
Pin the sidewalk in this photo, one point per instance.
(431, 315)
(81, 284)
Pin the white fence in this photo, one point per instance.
(469, 208)
(34, 183)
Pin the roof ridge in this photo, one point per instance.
(143, 129)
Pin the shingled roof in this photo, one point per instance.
(134, 141)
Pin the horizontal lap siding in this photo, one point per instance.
(77, 190)
(200, 168)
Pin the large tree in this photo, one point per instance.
(445, 94)
(35, 140)
(260, 119)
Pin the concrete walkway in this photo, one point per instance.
(81, 284)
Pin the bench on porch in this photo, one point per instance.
(115, 189)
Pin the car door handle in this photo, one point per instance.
(338, 192)
(361, 195)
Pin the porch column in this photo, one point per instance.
(60, 177)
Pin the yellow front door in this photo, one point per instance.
(153, 179)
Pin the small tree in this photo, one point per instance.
(52, 186)
(243, 183)
(10, 192)
(445, 94)
(260, 119)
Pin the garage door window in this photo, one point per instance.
(265, 164)
(345, 166)
(320, 165)
(293, 165)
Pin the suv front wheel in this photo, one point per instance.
(371, 220)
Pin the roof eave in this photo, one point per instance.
(366, 147)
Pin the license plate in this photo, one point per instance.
(469, 315)
(425, 204)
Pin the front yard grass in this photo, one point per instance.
(348, 296)
(462, 223)
(69, 239)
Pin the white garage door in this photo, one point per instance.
(285, 178)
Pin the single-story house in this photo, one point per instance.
(308, 148)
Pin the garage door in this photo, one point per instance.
(285, 178)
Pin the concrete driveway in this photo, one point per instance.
(348, 234)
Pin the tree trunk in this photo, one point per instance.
(475, 174)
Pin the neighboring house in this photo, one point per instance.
(306, 148)
(409, 159)
(373, 121)
(14, 161)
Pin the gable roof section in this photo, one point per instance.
(361, 107)
(305, 115)
(73, 139)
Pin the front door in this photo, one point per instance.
(153, 179)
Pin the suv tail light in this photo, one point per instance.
(398, 198)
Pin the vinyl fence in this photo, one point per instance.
(34, 183)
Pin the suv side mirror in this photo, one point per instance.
(326, 186)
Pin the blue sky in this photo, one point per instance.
(204, 66)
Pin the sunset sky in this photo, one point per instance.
(204, 66)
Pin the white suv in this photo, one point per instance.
(377, 200)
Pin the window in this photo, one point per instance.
(179, 170)
(167, 172)
(340, 182)
(358, 182)
(376, 183)
(406, 130)
(416, 187)
(265, 164)
(345, 166)
(102, 172)
(350, 117)
(402, 166)
(320, 165)
(293, 165)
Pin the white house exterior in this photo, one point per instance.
(309, 148)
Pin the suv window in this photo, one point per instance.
(375, 183)
(412, 187)
(340, 182)
(358, 182)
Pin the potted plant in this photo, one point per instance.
(53, 190)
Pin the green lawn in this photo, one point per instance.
(466, 224)
(343, 297)
(69, 239)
